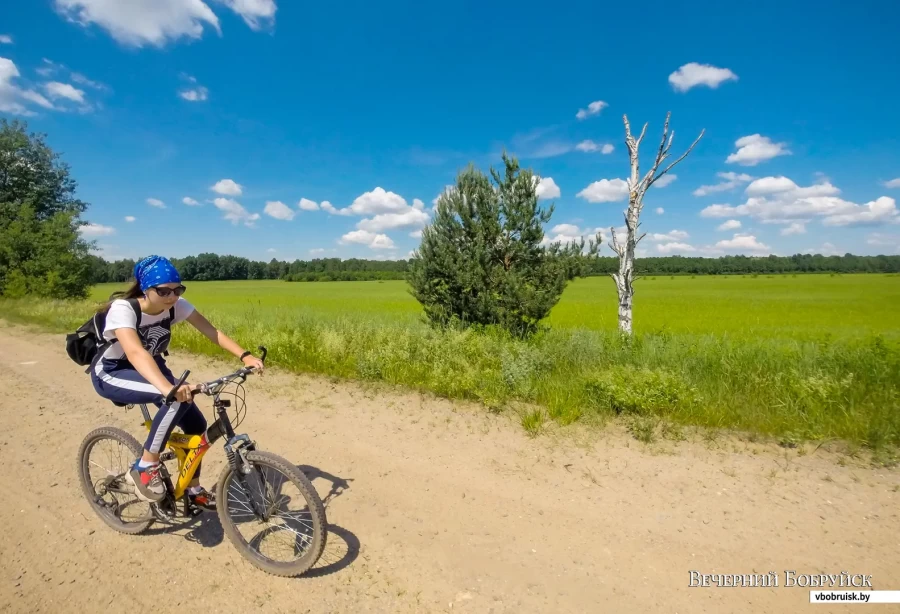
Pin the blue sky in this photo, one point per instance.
(248, 106)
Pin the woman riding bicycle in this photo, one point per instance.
(132, 370)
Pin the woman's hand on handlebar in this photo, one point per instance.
(185, 393)
(255, 363)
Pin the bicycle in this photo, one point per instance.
(235, 501)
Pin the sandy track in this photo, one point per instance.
(434, 507)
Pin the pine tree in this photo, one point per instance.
(483, 261)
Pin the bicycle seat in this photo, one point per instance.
(117, 404)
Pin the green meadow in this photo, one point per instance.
(806, 357)
(802, 306)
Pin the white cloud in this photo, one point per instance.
(49, 68)
(37, 98)
(234, 212)
(590, 147)
(568, 229)
(881, 239)
(416, 234)
(660, 211)
(271, 250)
(593, 109)
(675, 247)
(756, 148)
(227, 187)
(327, 206)
(279, 210)
(82, 80)
(190, 202)
(778, 200)
(881, 210)
(11, 95)
(694, 74)
(570, 233)
(672, 235)
(744, 243)
(96, 230)
(130, 218)
(605, 191)
(56, 90)
(411, 218)
(827, 249)
(197, 94)
(732, 180)
(307, 205)
(664, 180)
(138, 23)
(718, 211)
(255, 13)
(796, 228)
(375, 202)
(155, 202)
(547, 188)
(370, 239)
(893, 183)
(6, 39)
(729, 225)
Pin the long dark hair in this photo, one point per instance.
(134, 291)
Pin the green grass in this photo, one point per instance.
(801, 307)
(806, 357)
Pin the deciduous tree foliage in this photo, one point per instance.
(482, 260)
(41, 251)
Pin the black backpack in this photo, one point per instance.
(87, 341)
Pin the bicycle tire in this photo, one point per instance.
(313, 502)
(108, 432)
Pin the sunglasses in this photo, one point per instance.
(164, 292)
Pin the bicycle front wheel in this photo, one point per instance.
(273, 515)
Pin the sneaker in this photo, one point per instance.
(203, 499)
(146, 482)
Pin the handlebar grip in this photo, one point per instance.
(171, 396)
(264, 351)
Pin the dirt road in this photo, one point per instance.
(434, 507)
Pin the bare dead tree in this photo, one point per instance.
(637, 187)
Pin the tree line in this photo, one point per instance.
(213, 267)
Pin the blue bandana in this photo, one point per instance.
(155, 270)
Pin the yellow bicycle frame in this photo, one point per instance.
(189, 449)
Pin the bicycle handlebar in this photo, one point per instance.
(201, 388)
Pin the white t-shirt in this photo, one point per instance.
(153, 332)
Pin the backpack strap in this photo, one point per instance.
(171, 319)
(136, 306)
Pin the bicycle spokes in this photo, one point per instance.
(270, 513)
(108, 460)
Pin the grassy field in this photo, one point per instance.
(801, 307)
(806, 357)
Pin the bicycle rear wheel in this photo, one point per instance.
(104, 457)
(253, 511)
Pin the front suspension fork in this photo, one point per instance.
(241, 467)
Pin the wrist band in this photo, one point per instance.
(245, 354)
